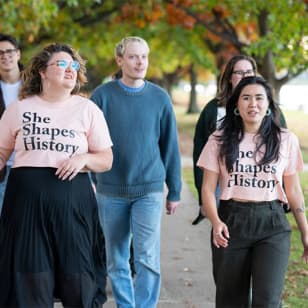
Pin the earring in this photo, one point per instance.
(268, 112)
(236, 112)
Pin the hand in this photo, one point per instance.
(171, 206)
(220, 235)
(305, 253)
(71, 167)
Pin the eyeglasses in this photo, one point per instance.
(65, 64)
(7, 51)
(244, 73)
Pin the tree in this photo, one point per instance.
(86, 25)
(274, 32)
(193, 107)
(202, 33)
(94, 27)
(176, 49)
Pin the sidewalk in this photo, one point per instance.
(186, 258)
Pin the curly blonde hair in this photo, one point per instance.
(31, 78)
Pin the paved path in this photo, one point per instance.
(185, 260)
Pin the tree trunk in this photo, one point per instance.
(193, 107)
(266, 65)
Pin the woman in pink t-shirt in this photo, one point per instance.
(50, 239)
(256, 163)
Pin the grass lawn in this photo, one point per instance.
(296, 284)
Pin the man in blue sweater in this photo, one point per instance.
(143, 129)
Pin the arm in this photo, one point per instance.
(199, 142)
(99, 162)
(170, 155)
(4, 156)
(96, 162)
(296, 201)
(9, 126)
(220, 229)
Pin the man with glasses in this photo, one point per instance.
(10, 83)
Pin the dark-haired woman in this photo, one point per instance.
(238, 67)
(50, 237)
(256, 163)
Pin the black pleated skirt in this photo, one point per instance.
(51, 243)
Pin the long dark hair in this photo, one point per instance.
(224, 86)
(269, 134)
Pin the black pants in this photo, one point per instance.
(258, 252)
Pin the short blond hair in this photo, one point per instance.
(121, 46)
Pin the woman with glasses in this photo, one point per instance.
(237, 67)
(256, 162)
(50, 237)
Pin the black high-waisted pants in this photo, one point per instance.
(258, 252)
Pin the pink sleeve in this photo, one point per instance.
(98, 134)
(209, 157)
(8, 127)
(295, 159)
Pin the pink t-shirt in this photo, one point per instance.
(248, 181)
(44, 134)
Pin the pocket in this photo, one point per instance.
(237, 220)
(270, 220)
(279, 219)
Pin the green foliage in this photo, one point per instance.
(26, 16)
(94, 26)
(176, 47)
(286, 30)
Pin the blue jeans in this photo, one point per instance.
(3, 186)
(123, 219)
(217, 195)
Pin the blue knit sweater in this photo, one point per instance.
(143, 130)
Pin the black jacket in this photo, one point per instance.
(2, 108)
(205, 126)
